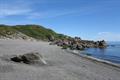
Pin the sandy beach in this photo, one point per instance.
(61, 65)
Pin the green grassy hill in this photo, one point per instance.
(34, 31)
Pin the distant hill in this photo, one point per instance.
(29, 32)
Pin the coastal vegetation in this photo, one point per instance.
(35, 31)
(38, 32)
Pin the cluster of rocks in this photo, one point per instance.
(78, 44)
(29, 58)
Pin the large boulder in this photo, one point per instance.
(80, 47)
(29, 58)
(50, 37)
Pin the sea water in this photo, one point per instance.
(111, 53)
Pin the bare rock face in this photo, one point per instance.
(29, 58)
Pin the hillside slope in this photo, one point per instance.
(24, 31)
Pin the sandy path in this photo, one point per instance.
(61, 65)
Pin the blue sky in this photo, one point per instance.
(89, 19)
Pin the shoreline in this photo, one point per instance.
(61, 65)
(76, 52)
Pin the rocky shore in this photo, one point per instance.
(78, 44)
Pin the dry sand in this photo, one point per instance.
(61, 64)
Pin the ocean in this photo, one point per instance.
(111, 53)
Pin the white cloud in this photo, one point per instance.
(49, 14)
(14, 8)
(9, 12)
(108, 36)
(101, 33)
(29, 9)
(22, 7)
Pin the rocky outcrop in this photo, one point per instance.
(78, 44)
(102, 44)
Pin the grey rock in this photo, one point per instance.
(29, 58)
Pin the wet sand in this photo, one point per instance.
(61, 65)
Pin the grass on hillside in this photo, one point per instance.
(35, 31)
